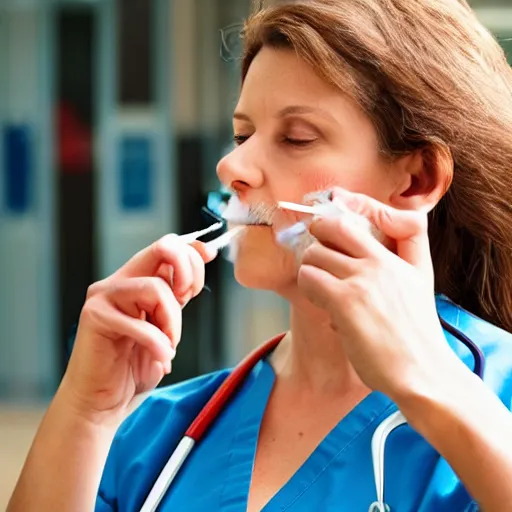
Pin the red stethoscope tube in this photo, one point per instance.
(204, 420)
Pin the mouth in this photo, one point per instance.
(233, 212)
(227, 208)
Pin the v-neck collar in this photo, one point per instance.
(243, 449)
(236, 490)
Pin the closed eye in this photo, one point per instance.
(240, 139)
(299, 142)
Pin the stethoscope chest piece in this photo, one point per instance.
(379, 507)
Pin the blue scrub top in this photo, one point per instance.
(338, 476)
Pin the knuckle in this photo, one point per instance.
(307, 285)
(301, 279)
(307, 255)
(153, 286)
(95, 289)
(312, 252)
(373, 267)
(93, 309)
(359, 289)
(114, 287)
(164, 246)
(159, 286)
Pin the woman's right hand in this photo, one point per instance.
(130, 326)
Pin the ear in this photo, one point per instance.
(423, 178)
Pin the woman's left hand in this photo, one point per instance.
(381, 302)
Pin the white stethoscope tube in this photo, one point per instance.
(379, 439)
(164, 480)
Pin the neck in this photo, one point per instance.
(312, 356)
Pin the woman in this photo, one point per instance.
(408, 105)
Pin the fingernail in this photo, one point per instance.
(211, 252)
(185, 299)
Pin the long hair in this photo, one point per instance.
(430, 77)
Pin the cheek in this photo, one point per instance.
(362, 172)
(366, 177)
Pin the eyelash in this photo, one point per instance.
(240, 139)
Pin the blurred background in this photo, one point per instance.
(113, 115)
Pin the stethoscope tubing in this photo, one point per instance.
(230, 386)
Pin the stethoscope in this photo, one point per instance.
(197, 430)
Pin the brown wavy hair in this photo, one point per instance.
(430, 77)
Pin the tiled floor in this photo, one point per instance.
(17, 429)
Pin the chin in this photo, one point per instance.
(260, 263)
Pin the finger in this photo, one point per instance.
(152, 371)
(198, 272)
(153, 296)
(185, 285)
(148, 371)
(180, 271)
(318, 285)
(143, 333)
(342, 235)
(207, 253)
(168, 250)
(337, 264)
(153, 376)
(408, 228)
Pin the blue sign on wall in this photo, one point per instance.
(135, 172)
(17, 169)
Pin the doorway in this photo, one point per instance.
(75, 126)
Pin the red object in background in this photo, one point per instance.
(74, 141)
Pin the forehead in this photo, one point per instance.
(274, 73)
(277, 79)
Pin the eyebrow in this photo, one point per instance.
(288, 111)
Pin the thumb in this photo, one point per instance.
(408, 228)
(205, 252)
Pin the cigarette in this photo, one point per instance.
(224, 240)
(313, 210)
(192, 237)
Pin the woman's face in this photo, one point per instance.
(295, 134)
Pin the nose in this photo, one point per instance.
(239, 169)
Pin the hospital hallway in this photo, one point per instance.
(113, 117)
